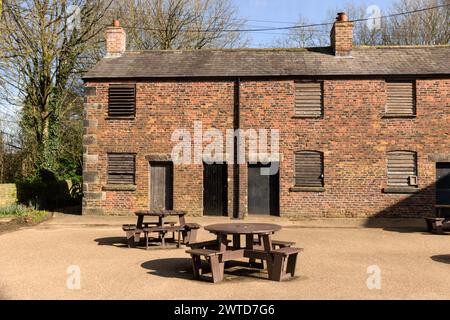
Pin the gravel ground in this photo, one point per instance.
(38, 263)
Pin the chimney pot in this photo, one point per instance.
(116, 23)
(342, 16)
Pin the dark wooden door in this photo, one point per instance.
(263, 191)
(443, 186)
(161, 186)
(215, 190)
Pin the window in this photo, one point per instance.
(309, 169)
(121, 169)
(400, 98)
(402, 169)
(122, 101)
(308, 99)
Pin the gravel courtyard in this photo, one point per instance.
(36, 263)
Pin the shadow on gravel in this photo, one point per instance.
(170, 268)
(444, 258)
(181, 268)
(118, 242)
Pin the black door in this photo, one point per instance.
(215, 190)
(443, 186)
(263, 191)
(161, 186)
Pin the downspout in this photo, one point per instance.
(236, 169)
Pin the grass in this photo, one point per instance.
(24, 214)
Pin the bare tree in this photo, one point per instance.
(43, 46)
(314, 36)
(180, 24)
(427, 27)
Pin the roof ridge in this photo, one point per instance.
(364, 47)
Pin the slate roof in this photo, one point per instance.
(427, 60)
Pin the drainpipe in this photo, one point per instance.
(236, 169)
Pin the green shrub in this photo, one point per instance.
(15, 210)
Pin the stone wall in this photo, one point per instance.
(8, 194)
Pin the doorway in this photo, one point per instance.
(443, 186)
(161, 186)
(263, 191)
(215, 189)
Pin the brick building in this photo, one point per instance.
(364, 131)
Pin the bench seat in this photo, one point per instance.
(284, 262)
(287, 251)
(276, 244)
(212, 244)
(213, 259)
(190, 232)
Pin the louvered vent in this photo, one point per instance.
(121, 168)
(308, 99)
(122, 101)
(400, 98)
(402, 168)
(309, 169)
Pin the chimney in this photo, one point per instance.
(342, 36)
(116, 40)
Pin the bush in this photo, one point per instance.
(46, 195)
(16, 210)
(23, 214)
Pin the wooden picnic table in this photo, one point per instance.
(250, 230)
(161, 215)
(159, 226)
(438, 223)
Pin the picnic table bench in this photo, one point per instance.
(187, 231)
(280, 256)
(438, 223)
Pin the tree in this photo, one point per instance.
(180, 24)
(428, 27)
(422, 28)
(304, 37)
(43, 56)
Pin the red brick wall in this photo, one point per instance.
(353, 135)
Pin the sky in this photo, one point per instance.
(279, 13)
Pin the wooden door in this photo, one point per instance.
(215, 190)
(263, 191)
(443, 186)
(161, 186)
